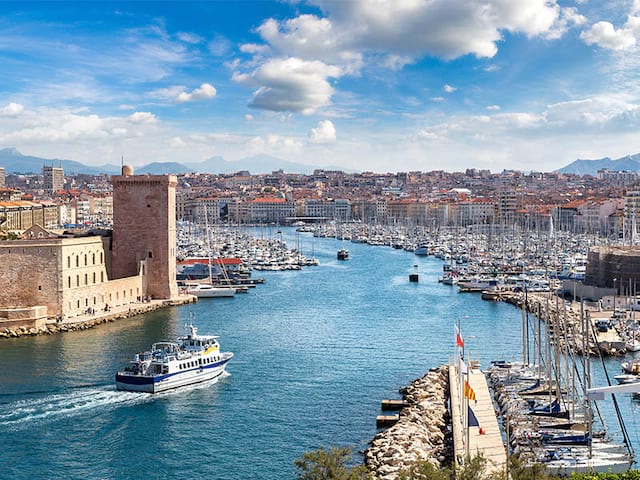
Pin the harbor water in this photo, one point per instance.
(316, 350)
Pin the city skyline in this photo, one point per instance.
(364, 85)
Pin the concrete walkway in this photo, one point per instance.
(488, 443)
(124, 311)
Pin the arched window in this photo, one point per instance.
(101, 277)
(77, 261)
(86, 279)
(94, 277)
(69, 262)
(77, 280)
(69, 281)
(85, 260)
(93, 257)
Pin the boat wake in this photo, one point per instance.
(73, 402)
(81, 400)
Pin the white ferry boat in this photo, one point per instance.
(193, 359)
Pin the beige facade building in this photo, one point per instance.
(2, 177)
(67, 275)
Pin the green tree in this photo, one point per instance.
(330, 464)
(424, 470)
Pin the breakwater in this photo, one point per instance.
(423, 431)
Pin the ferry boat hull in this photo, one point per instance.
(161, 383)
(192, 359)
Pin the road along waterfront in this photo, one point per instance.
(315, 352)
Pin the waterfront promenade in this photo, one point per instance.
(93, 318)
(484, 439)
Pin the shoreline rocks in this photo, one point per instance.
(423, 431)
(70, 325)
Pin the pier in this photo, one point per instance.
(484, 439)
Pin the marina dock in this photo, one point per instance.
(484, 439)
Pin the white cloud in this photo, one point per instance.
(387, 33)
(204, 92)
(444, 28)
(437, 99)
(290, 84)
(188, 37)
(325, 132)
(309, 37)
(219, 46)
(449, 89)
(11, 110)
(248, 117)
(253, 48)
(493, 107)
(177, 142)
(143, 117)
(604, 34)
(274, 144)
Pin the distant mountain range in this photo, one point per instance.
(591, 167)
(15, 162)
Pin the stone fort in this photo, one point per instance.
(45, 275)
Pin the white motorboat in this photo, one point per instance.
(203, 290)
(422, 249)
(193, 359)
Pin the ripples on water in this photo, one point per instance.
(315, 352)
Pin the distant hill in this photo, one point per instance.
(591, 167)
(15, 162)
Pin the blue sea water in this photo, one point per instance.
(315, 352)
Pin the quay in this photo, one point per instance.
(86, 321)
(393, 404)
(566, 325)
(484, 439)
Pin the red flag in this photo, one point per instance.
(459, 341)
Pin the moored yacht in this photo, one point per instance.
(203, 290)
(192, 359)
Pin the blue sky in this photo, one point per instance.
(382, 85)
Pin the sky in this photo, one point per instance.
(368, 85)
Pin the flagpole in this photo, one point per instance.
(467, 398)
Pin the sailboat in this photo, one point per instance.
(208, 290)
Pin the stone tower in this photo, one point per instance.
(144, 229)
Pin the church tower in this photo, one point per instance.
(144, 230)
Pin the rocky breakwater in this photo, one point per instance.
(423, 431)
(88, 321)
